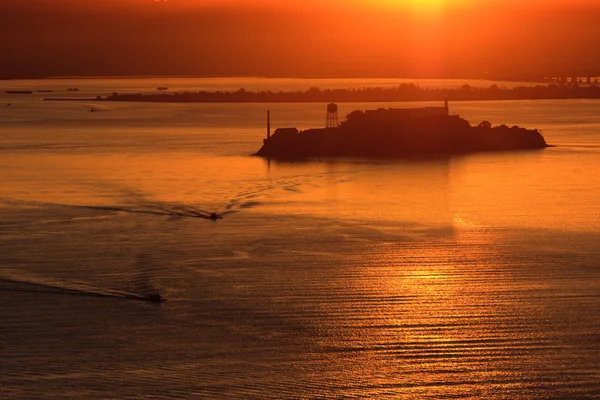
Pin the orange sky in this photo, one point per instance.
(426, 38)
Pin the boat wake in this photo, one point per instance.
(149, 208)
(36, 285)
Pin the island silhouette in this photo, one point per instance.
(397, 132)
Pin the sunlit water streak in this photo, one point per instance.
(468, 277)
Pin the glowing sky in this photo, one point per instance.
(299, 37)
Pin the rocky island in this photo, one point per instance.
(397, 132)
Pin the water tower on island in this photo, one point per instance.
(333, 119)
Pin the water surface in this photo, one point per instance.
(468, 277)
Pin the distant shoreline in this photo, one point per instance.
(400, 93)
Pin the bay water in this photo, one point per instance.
(474, 276)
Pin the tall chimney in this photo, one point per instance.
(268, 124)
(446, 105)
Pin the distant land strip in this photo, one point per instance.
(403, 92)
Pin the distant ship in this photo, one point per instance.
(397, 132)
(19, 92)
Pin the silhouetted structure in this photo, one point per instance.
(332, 120)
(446, 105)
(268, 124)
(398, 132)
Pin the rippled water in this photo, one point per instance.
(467, 277)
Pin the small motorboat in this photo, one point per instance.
(155, 298)
(214, 216)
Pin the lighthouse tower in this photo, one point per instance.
(332, 120)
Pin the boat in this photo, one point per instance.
(214, 216)
(155, 298)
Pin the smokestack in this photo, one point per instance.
(446, 105)
(268, 124)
